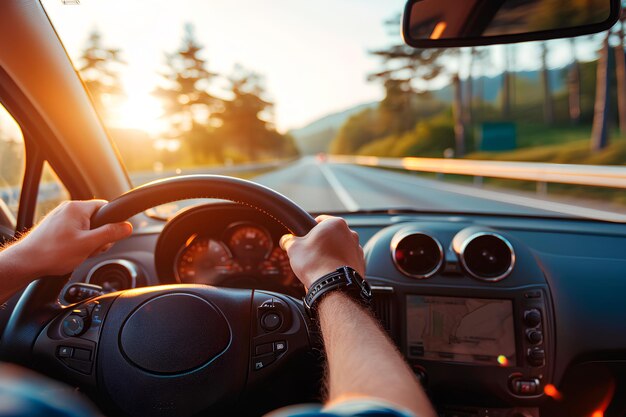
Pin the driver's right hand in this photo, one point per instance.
(329, 245)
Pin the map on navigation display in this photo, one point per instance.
(460, 329)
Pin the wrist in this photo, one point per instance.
(343, 279)
(314, 274)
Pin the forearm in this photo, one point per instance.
(16, 270)
(376, 369)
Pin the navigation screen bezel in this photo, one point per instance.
(480, 359)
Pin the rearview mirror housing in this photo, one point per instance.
(454, 23)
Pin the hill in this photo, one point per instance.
(317, 135)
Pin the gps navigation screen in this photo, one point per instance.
(470, 330)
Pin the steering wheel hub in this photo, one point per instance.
(183, 332)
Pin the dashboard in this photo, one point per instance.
(492, 312)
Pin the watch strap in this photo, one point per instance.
(345, 279)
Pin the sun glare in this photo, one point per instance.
(138, 110)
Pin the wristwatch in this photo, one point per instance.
(344, 279)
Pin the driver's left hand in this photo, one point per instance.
(63, 239)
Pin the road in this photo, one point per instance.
(328, 187)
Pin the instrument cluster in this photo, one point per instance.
(241, 250)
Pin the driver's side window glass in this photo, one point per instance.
(51, 193)
(51, 190)
(12, 163)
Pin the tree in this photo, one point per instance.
(573, 85)
(548, 103)
(99, 72)
(600, 129)
(411, 69)
(620, 75)
(507, 82)
(184, 93)
(244, 119)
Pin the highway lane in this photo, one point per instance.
(327, 187)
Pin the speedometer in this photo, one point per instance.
(250, 245)
(203, 261)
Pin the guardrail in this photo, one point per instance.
(139, 178)
(542, 173)
(52, 191)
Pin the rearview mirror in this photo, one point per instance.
(453, 23)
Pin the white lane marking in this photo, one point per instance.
(531, 202)
(343, 195)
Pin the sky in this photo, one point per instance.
(314, 55)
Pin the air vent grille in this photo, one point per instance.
(113, 275)
(382, 306)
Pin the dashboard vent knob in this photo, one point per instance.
(487, 256)
(417, 254)
(114, 275)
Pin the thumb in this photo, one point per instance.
(286, 241)
(109, 233)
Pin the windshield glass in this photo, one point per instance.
(322, 102)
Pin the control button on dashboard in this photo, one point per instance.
(64, 351)
(261, 362)
(534, 336)
(536, 356)
(73, 325)
(280, 346)
(263, 349)
(526, 386)
(271, 321)
(532, 318)
(82, 354)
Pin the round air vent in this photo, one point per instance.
(113, 275)
(417, 254)
(487, 256)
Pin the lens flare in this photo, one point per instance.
(551, 391)
(502, 360)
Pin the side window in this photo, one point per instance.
(12, 163)
(51, 193)
(12, 167)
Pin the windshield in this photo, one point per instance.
(322, 102)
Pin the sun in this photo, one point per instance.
(139, 109)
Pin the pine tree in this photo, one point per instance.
(98, 70)
(245, 119)
(184, 93)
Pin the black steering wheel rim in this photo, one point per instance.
(263, 199)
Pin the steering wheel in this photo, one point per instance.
(165, 350)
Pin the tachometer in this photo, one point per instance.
(203, 261)
(250, 245)
(277, 265)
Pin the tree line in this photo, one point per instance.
(212, 129)
(409, 121)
